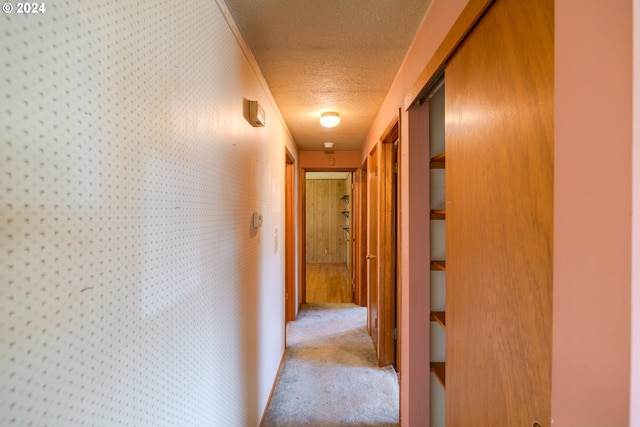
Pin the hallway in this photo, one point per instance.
(153, 206)
(329, 375)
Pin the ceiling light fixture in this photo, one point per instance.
(329, 119)
(328, 145)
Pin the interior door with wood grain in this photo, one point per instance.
(387, 246)
(499, 214)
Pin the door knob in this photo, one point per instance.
(370, 256)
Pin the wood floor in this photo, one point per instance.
(328, 282)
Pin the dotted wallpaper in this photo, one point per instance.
(133, 289)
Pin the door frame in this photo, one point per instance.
(302, 262)
(361, 238)
(289, 238)
(372, 243)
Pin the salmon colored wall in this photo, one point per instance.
(592, 254)
(339, 160)
(592, 224)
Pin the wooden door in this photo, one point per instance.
(387, 252)
(372, 243)
(499, 174)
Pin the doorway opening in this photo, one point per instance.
(329, 243)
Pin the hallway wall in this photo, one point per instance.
(134, 290)
(592, 244)
(592, 214)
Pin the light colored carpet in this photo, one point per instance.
(329, 375)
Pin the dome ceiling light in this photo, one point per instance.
(330, 119)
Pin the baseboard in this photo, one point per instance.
(273, 387)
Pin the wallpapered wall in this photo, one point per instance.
(134, 290)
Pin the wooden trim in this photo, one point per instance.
(308, 169)
(302, 262)
(399, 248)
(320, 262)
(289, 236)
(391, 132)
(467, 19)
(353, 271)
(361, 278)
(373, 224)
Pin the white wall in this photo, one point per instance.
(133, 289)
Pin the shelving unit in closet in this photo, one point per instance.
(438, 263)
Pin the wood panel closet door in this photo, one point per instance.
(499, 136)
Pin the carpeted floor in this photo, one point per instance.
(330, 376)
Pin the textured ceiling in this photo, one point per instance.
(329, 55)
